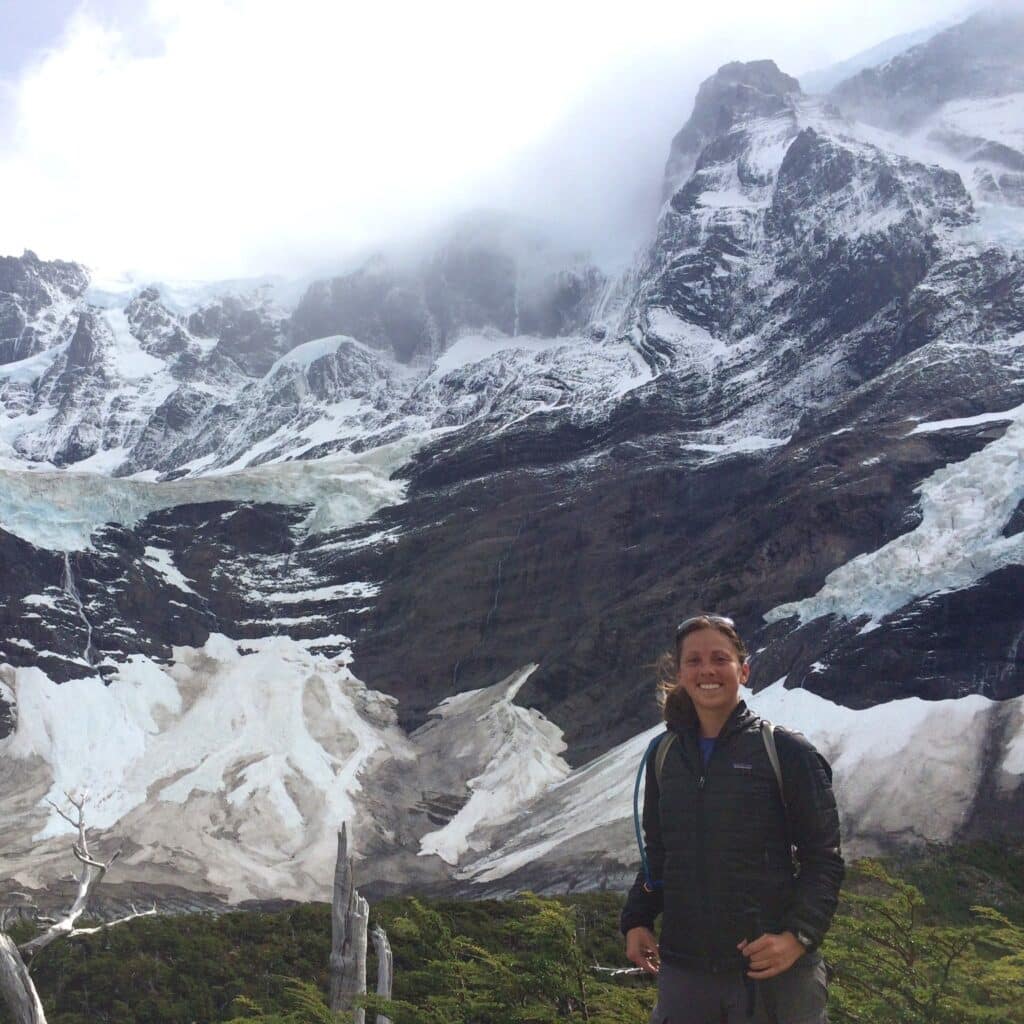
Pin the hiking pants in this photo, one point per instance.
(796, 996)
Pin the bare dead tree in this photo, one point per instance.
(16, 986)
(350, 914)
(385, 967)
(347, 981)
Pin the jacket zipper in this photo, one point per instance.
(702, 869)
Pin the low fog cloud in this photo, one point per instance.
(222, 139)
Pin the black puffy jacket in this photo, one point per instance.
(716, 837)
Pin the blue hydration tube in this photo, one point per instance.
(649, 884)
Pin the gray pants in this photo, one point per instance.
(797, 996)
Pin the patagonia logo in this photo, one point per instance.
(743, 767)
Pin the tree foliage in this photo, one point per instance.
(901, 953)
(892, 968)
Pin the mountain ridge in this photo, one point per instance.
(802, 405)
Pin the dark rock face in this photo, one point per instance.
(83, 613)
(855, 277)
(380, 307)
(595, 581)
(8, 716)
(735, 92)
(77, 385)
(253, 337)
(163, 333)
(1015, 524)
(980, 57)
(917, 652)
(39, 623)
(837, 260)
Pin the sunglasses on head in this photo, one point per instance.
(722, 620)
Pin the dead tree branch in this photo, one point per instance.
(17, 990)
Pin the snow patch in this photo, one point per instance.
(753, 443)
(963, 421)
(29, 370)
(303, 356)
(163, 563)
(696, 346)
(131, 361)
(341, 591)
(520, 753)
(475, 348)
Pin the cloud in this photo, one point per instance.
(222, 138)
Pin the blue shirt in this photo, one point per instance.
(707, 744)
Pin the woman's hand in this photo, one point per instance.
(771, 954)
(642, 949)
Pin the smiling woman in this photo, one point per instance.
(741, 849)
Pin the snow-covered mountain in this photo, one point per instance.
(403, 553)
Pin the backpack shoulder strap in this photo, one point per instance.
(663, 748)
(658, 744)
(768, 736)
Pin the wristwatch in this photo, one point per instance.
(804, 939)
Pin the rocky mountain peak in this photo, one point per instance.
(31, 294)
(70, 279)
(732, 94)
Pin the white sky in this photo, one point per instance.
(219, 138)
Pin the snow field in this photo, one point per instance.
(238, 762)
(242, 757)
(907, 771)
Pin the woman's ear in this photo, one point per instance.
(744, 673)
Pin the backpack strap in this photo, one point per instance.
(768, 736)
(659, 758)
(661, 744)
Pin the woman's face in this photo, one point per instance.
(710, 670)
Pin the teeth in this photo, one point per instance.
(709, 686)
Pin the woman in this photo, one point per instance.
(746, 877)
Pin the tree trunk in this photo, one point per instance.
(385, 968)
(16, 987)
(359, 916)
(349, 916)
(340, 937)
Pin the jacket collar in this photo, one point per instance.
(681, 716)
